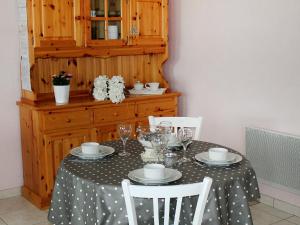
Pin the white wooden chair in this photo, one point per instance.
(177, 122)
(166, 192)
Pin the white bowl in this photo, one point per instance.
(154, 171)
(90, 148)
(217, 154)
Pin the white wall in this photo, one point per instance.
(10, 148)
(237, 63)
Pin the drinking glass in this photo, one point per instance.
(185, 137)
(124, 133)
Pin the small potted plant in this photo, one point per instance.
(61, 86)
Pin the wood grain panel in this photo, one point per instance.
(66, 119)
(57, 23)
(144, 68)
(148, 20)
(27, 146)
(57, 17)
(57, 147)
(114, 114)
(156, 108)
(147, 26)
(110, 133)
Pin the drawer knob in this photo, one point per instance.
(116, 114)
(68, 120)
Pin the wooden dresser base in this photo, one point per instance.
(35, 199)
(48, 132)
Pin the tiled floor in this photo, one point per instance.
(17, 211)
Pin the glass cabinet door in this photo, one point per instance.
(105, 26)
(114, 8)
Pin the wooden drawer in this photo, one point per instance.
(157, 108)
(57, 120)
(113, 114)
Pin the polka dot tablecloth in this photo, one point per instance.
(89, 192)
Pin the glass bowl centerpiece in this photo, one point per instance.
(154, 143)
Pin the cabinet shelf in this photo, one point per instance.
(58, 52)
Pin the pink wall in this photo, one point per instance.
(237, 63)
(10, 150)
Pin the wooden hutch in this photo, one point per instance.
(72, 35)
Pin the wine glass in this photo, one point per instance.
(185, 136)
(159, 143)
(124, 133)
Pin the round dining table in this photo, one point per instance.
(89, 191)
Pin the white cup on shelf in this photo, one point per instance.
(152, 86)
(138, 86)
(93, 13)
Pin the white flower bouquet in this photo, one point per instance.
(112, 89)
(116, 89)
(100, 88)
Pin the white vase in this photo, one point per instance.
(61, 93)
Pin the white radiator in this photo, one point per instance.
(275, 157)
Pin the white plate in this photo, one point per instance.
(232, 158)
(229, 158)
(103, 151)
(170, 176)
(146, 91)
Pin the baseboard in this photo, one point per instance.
(11, 192)
(281, 205)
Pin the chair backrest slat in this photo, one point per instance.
(156, 211)
(178, 122)
(177, 211)
(166, 192)
(167, 211)
(199, 212)
(129, 201)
